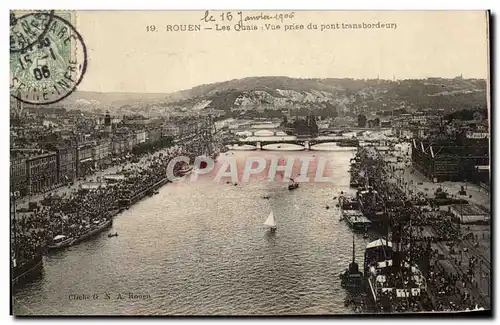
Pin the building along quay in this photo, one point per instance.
(436, 225)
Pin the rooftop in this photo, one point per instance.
(29, 153)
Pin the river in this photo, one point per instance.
(200, 248)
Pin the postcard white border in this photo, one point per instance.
(195, 4)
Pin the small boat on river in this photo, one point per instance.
(271, 222)
(113, 235)
(293, 186)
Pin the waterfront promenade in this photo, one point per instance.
(468, 260)
(413, 182)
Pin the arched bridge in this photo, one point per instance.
(270, 131)
(306, 143)
(259, 132)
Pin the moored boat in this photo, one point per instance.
(348, 203)
(391, 281)
(27, 265)
(27, 269)
(352, 278)
(356, 220)
(100, 227)
(371, 204)
(60, 242)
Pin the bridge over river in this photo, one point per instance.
(274, 143)
(274, 130)
(304, 143)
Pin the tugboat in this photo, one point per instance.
(293, 186)
(352, 278)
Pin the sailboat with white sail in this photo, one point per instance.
(271, 222)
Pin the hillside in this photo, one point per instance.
(347, 96)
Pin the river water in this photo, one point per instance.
(200, 248)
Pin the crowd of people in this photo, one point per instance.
(27, 236)
(452, 290)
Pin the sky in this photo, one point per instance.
(123, 56)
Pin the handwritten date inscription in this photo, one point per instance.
(245, 18)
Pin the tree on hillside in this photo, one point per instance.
(361, 121)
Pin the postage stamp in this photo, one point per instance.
(27, 28)
(48, 57)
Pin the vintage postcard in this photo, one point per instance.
(249, 162)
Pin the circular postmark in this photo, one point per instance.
(26, 30)
(50, 69)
